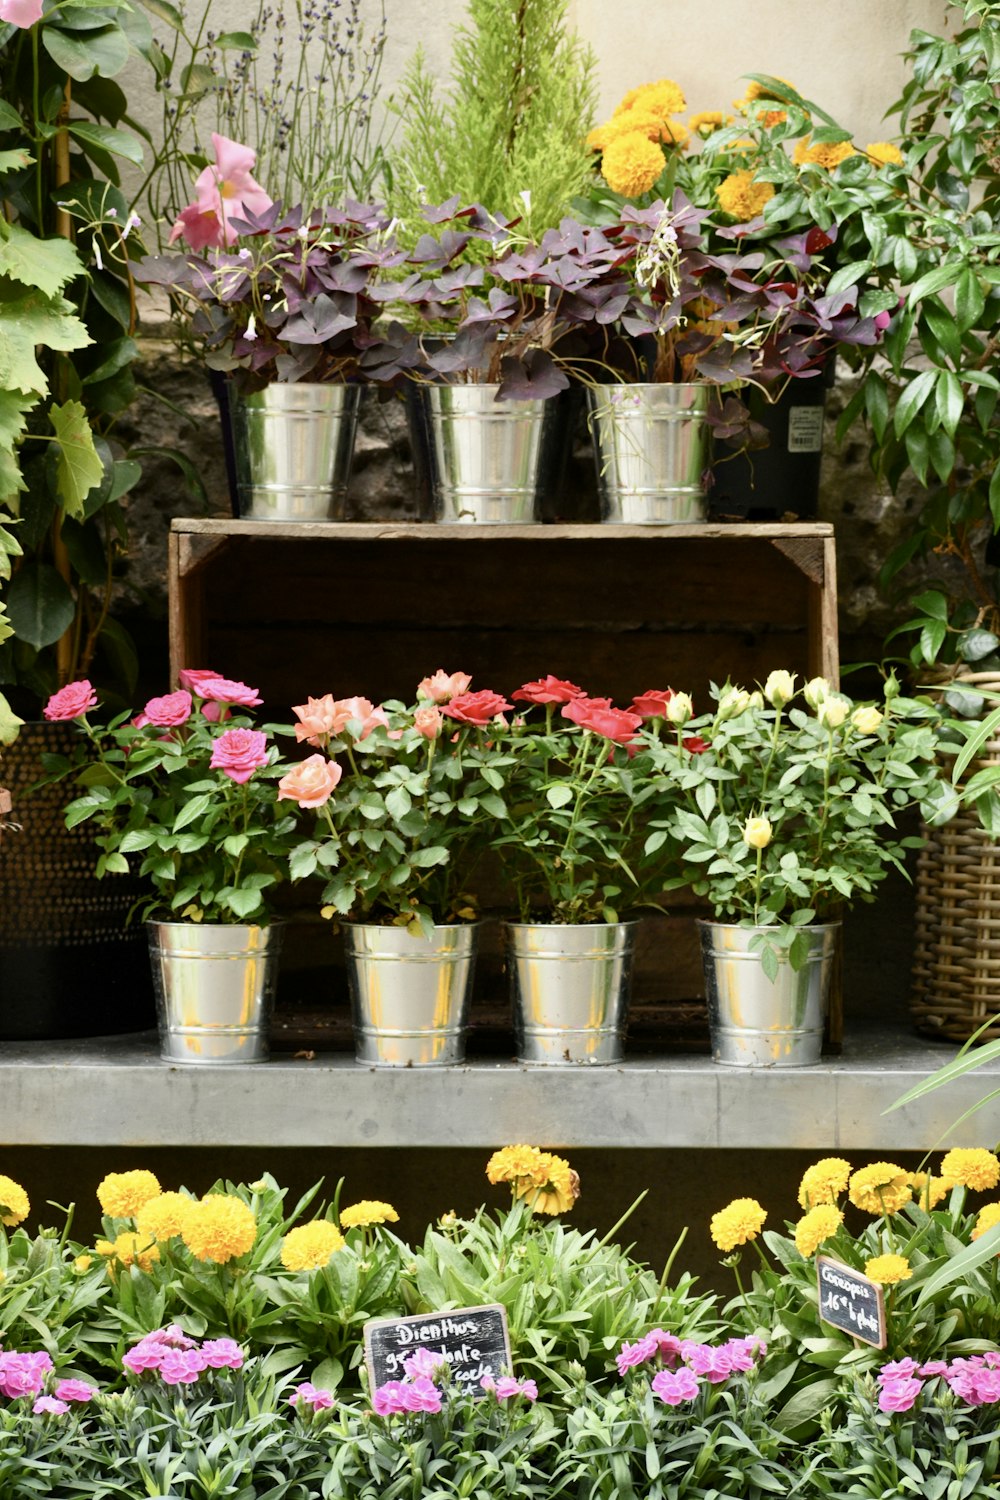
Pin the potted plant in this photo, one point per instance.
(187, 785)
(570, 836)
(404, 796)
(786, 817)
(284, 305)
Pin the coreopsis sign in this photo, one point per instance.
(851, 1302)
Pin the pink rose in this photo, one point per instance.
(71, 702)
(597, 715)
(225, 191)
(318, 718)
(547, 690)
(443, 686)
(477, 709)
(239, 752)
(193, 677)
(899, 1395)
(168, 712)
(224, 691)
(652, 704)
(428, 721)
(23, 13)
(311, 783)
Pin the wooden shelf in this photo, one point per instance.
(117, 1090)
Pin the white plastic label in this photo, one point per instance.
(805, 429)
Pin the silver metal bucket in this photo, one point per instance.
(757, 1024)
(652, 444)
(487, 461)
(293, 449)
(570, 987)
(409, 994)
(214, 987)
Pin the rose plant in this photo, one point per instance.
(404, 798)
(790, 813)
(187, 786)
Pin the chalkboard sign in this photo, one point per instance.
(851, 1302)
(474, 1341)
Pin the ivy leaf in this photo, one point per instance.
(28, 319)
(78, 468)
(45, 264)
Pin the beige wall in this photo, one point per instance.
(844, 54)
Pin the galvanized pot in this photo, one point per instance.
(487, 461)
(214, 986)
(293, 449)
(570, 988)
(652, 444)
(755, 1023)
(409, 993)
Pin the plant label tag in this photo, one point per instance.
(474, 1341)
(805, 429)
(851, 1302)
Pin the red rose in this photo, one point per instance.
(477, 709)
(597, 715)
(653, 703)
(695, 745)
(547, 690)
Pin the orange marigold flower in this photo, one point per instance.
(559, 1191)
(664, 98)
(14, 1204)
(122, 1194)
(988, 1216)
(164, 1215)
(972, 1167)
(129, 1249)
(884, 153)
(824, 1182)
(220, 1228)
(309, 1246)
(928, 1190)
(886, 1270)
(742, 197)
(824, 155)
(816, 1226)
(368, 1211)
(737, 1223)
(631, 165)
(707, 121)
(882, 1188)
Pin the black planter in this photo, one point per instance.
(782, 478)
(69, 964)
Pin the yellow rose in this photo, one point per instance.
(832, 713)
(680, 709)
(816, 691)
(734, 701)
(757, 833)
(866, 720)
(779, 688)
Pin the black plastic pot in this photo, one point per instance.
(782, 478)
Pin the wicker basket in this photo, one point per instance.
(956, 962)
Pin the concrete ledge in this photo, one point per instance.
(116, 1091)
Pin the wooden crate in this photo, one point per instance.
(370, 608)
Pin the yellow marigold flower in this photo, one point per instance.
(600, 136)
(882, 1188)
(559, 1190)
(972, 1167)
(164, 1215)
(742, 197)
(82, 1263)
(988, 1215)
(631, 165)
(824, 1181)
(884, 153)
(14, 1205)
(888, 1269)
(827, 156)
(131, 1249)
(663, 98)
(104, 1247)
(368, 1211)
(638, 122)
(928, 1190)
(819, 1224)
(122, 1194)
(737, 1223)
(514, 1163)
(220, 1228)
(310, 1245)
(707, 121)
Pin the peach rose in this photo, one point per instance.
(429, 721)
(312, 782)
(346, 709)
(318, 716)
(443, 686)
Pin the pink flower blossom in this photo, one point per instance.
(506, 1388)
(225, 693)
(143, 1356)
(359, 710)
(716, 1365)
(23, 1374)
(389, 1399)
(898, 1369)
(222, 1354)
(182, 1366)
(224, 191)
(428, 721)
(639, 1353)
(899, 1394)
(238, 753)
(192, 678)
(71, 702)
(653, 703)
(422, 1395)
(75, 1390)
(675, 1386)
(311, 783)
(443, 686)
(429, 1362)
(547, 690)
(318, 718)
(477, 709)
(168, 712)
(310, 1395)
(668, 1347)
(933, 1368)
(49, 1404)
(22, 13)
